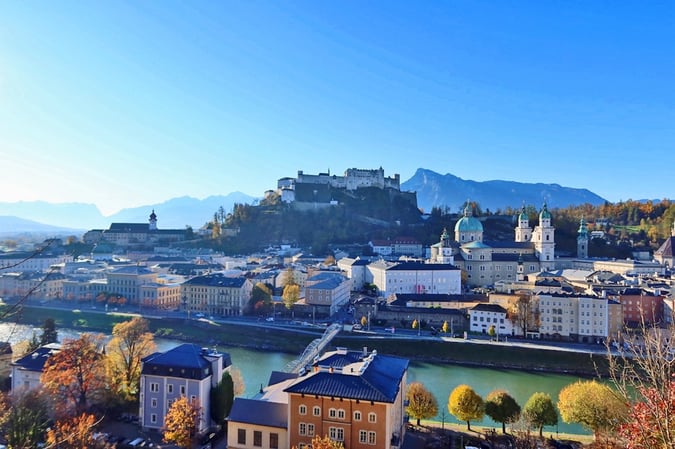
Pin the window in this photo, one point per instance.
(302, 428)
(182, 390)
(154, 387)
(363, 436)
(274, 441)
(372, 417)
(332, 413)
(357, 416)
(341, 414)
(257, 438)
(153, 402)
(310, 430)
(316, 411)
(153, 418)
(336, 433)
(302, 409)
(371, 437)
(169, 388)
(241, 436)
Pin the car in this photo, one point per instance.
(357, 327)
(269, 318)
(199, 315)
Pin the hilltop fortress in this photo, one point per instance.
(323, 188)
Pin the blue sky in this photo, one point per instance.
(123, 104)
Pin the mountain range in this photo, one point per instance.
(432, 189)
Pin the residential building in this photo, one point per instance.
(355, 397)
(485, 316)
(35, 261)
(355, 269)
(256, 423)
(641, 307)
(216, 295)
(327, 290)
(27, 370)
(415, 277)
(581, 318)
(187, 370)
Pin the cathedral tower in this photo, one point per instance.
(582, 240)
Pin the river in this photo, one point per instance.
(440, 379)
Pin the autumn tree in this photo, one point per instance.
(466, 405)
(290, 295)
(364, 321)
(539, 411)
(421, 402)
(593, 405)
(181, 422)
(524, 313)
(25, 419)
(502, 408)
(76, 432)
(643, 374)
(325, 442)
(75, 375)
(131, 341)
(445, 328)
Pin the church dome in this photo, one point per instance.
(468, 223)
(523, 215)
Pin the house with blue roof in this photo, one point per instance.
(27, 370)
(186, 370)
(328, 291)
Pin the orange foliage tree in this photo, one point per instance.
(76, 432)
(181, 422)
(75, 376)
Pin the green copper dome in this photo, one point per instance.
(468, 223)
(544, 214)
(523, 215)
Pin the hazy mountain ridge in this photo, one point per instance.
(176, 213)
(434, 189)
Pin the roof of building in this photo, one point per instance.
(280, 376)
(524, 246)
(262, 413)
(354, 375)
(132, 270)
(186, 361)
(496, 308)
(217, 280)
(475, 245)
(666, 248)
(420, 266)
(468, 224)
(35, 361)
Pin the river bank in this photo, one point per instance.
(263, 337)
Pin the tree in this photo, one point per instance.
(25, 420)
(181, 422)
(325, 443)
(131, 341)
(502, 407)
(222, 398)
(421, 402)
(466, 405)
(593, 405)
(445, 328)
(76, 432)
(492, 331)
(524, 313)
(49, 333)
(75, 375)
(643, 374)
(415, 324)
(291, 295)
(539, 411)
(261, 297)
(364, 321)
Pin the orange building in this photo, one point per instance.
(354, 397)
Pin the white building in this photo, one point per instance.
(484, 316)
(580, 318)
(27, 370)
(415, 277)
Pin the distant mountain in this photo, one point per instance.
(448, 190)
(172, 214)
(10, 226)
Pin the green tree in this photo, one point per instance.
(466, 405)
(502, 407)
(421, 402)
(539, 411)
(492, 331)
(26, 419)
(49, 333)
(222, 398)
(593, 405)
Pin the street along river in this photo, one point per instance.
(440, 379)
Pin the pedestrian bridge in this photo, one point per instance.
(313, 349)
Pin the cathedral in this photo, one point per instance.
(485, 262)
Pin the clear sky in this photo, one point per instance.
(130, 103)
